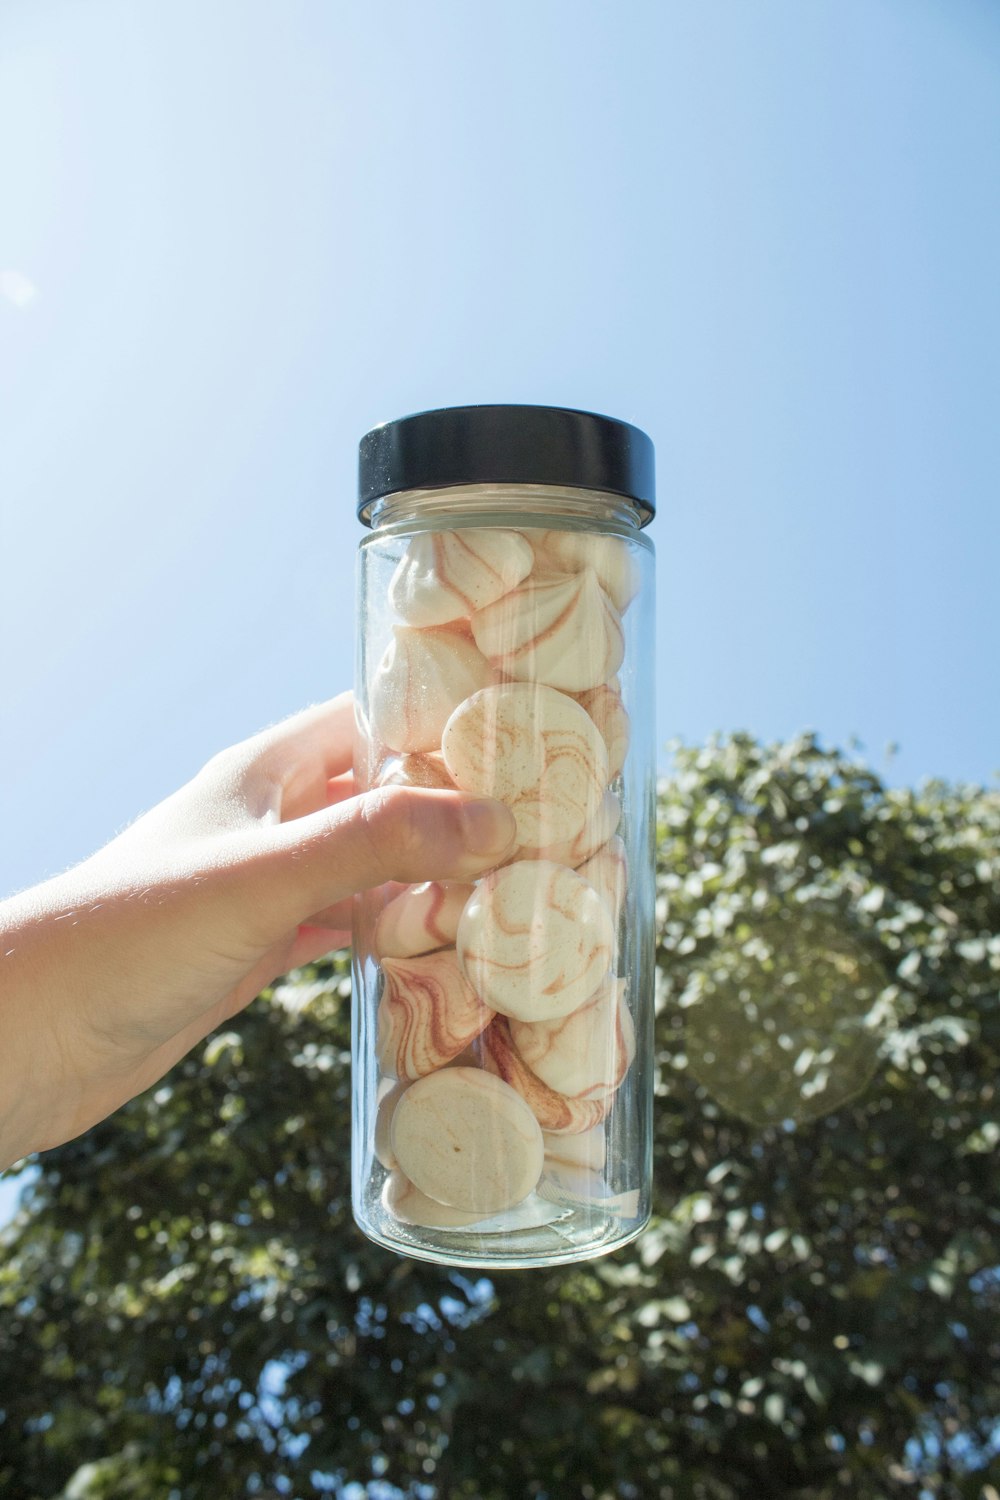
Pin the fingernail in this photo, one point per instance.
(487, 827)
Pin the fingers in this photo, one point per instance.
(286, 769)
(316, 942)
(303, 868)
(341, 915)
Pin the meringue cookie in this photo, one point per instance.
(604, 705)
(389, 1095)
(425, 770)
(609, 556)
(592, 836)
(534, 749)
(447, 575)
(428, 1013)
(420, 919)
(588, 1150)
(467, 1140)
(607, 871)
(535, 940)
(555, 1113)
(562, 631)
(586, 1054)
(422, 677)
(410, 1206)
(573, 1185)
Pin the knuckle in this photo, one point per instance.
(398, 822)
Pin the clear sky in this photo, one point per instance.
(234, 236)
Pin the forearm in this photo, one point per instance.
(29, 1024)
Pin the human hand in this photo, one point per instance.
(113, 971)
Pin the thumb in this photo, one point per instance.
(404, 834)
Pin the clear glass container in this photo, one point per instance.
(502, 1045)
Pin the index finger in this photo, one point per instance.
(293, 761)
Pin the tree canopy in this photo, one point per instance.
(188, 1310)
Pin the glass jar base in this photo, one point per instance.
(568, 1234)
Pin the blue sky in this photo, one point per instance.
(233, 237)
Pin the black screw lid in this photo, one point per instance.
(459, 445)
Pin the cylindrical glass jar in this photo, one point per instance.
(503, 1028)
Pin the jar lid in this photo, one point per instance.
(460, 445)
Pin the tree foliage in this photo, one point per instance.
(188, 1311)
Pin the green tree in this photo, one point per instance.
(188, 1311)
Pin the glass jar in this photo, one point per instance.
(502, 1042)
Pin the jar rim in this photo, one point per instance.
(544, 446)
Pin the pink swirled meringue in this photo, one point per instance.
(420, 680)
(420, 920)
(535, 940)
(592, 836)
(607, 871)
(604, 705)
(556, 1113)
(585, 1054)
(448, 575)
(428, 1014)
(562, 631)
(572, 551)
(536, 750)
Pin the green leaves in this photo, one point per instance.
(187, 1310)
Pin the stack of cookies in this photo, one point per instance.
(504, 1026)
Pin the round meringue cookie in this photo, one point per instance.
(410, 1206)
(420, 680)
(428, 1014)
(604, 705)
(448, 575)
(571, 551)
(562, 631)
(420, 919)
(573, 1186)
(592, 836)
(588, 1150)
(535, 940)
(607, 871)
(556, 1113)
(466, 1139)
(389, 1095)
(536, 750)
(585, 1054)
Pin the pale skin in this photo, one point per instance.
(114, 970)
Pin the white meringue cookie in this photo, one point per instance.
(604, 705)
(420, 680)
(584, 1055)
(420, 919)
(389, 1095)
(573, 1185)
(410, 1206)
(467, 1140)
(588, 1150)
(428, 1014)
(563, 631)
(535, 940)
(571, 551)
(447, 575)
(534, 749)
